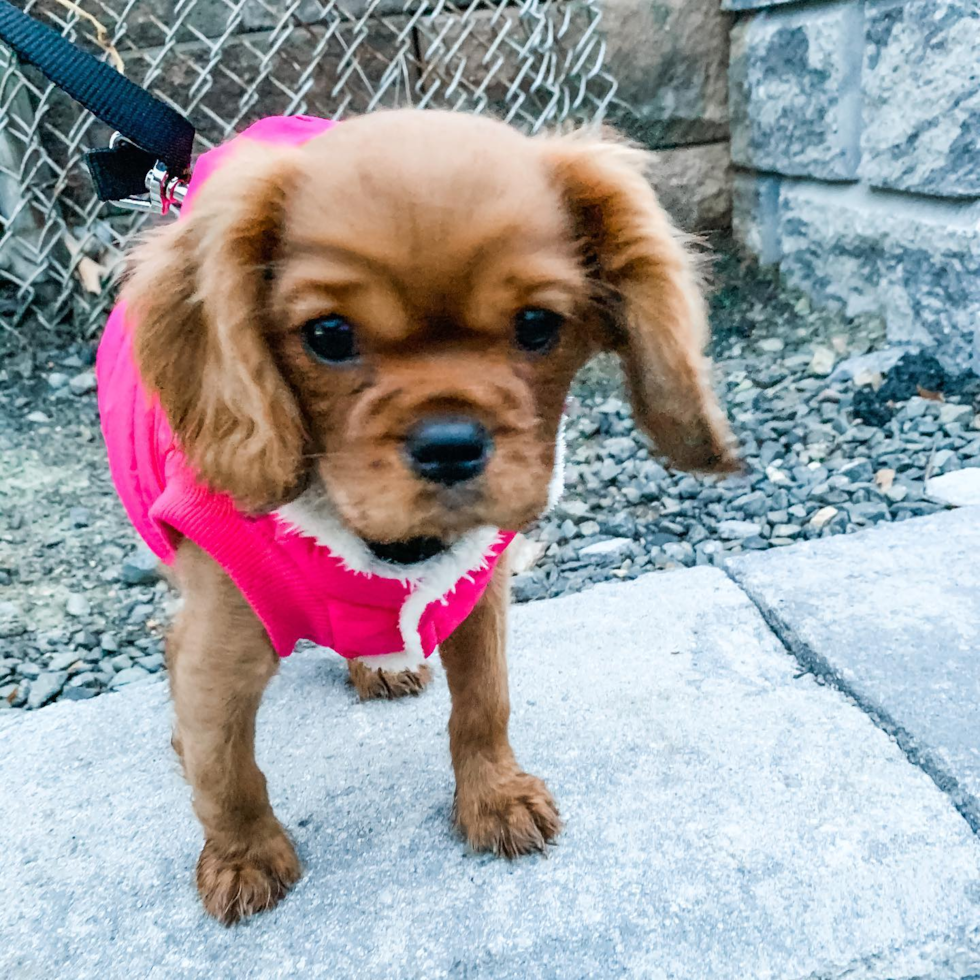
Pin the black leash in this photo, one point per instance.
(151, 149)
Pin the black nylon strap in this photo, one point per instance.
(155, 128)
(119, 171)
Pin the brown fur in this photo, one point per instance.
(220, 661)
(428, 231)
(498, 807)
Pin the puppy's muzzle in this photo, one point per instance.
(448, 450)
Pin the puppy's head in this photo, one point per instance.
(391, 315)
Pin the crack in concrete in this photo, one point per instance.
(812, 662)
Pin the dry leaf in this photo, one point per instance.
(932, 396)
(885, 479)
(90, 273)
(101, 33)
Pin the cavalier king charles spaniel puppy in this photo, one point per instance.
(333, 391)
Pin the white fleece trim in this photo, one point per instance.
(312, 515)
(556, 485)
(441, 580)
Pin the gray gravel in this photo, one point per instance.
(82, 609)
(789, 376)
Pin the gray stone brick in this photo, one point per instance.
(260, 14)
(148, 23)
(694, 184)
(226, 95)
(918, 266)
(472, 63)
(922, 97)
(670, 58)
(795, 92)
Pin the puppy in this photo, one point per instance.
(334, 389)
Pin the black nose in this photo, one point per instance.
(448, 450)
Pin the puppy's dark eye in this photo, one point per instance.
(331, 339)
(537, 330)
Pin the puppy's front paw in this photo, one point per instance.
(236, 882)
(510, 814)
(372, 684)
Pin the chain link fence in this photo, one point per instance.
(225, 63)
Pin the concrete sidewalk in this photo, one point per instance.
(727, 815)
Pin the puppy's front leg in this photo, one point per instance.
(220, 661)
(498, 807)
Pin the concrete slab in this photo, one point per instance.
(893, 616)
(726, 820)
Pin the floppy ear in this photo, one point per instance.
(197, 298)
(650, 298)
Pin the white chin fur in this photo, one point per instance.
(312, 515)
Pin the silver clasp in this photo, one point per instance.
(165, 194)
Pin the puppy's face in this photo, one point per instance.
(427, 311)
(391, 315)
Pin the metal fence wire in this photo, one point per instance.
(225, 63)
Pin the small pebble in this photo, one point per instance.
(46, 687)
(611, 546)
(82, 383)
(12, 622)
(822, 362)
(737, 530)
(63, 661)
(771, 345)
(141, 567)
(140, 613)
(823, 517)
(77, 605)
(131, 675)
(79, 693)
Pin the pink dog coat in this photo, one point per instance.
(335, 594)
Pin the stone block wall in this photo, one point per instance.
(670, 59)
(856, 141)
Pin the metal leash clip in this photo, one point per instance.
(165, 194)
